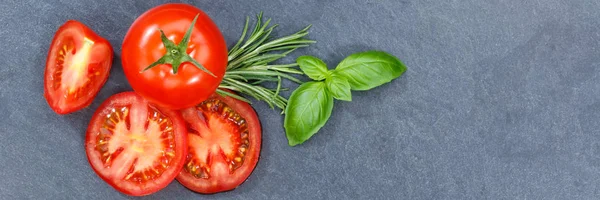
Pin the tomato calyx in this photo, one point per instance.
(177, 53)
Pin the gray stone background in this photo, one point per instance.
(501, 100)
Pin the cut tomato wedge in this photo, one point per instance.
(135, 147)
(77, 66)
(224, 144)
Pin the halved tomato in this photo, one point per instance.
(135, 147)
(78, 65)
(224, 137)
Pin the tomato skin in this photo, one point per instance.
(180, 138)
(232, 180)
(99, 61)
(143, 46)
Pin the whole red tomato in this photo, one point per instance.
(179, 82)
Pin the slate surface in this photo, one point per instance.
(501, 101)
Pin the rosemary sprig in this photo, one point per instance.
(249, 63)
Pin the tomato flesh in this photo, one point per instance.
(142, 46)
(135, 147)
(78, 64)
(224, 145)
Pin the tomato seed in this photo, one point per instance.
(144, 176)
(168, 128)
(128, 176)
(171, 153)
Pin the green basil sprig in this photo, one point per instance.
(310, 105)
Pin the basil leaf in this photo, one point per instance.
(339, 87)
(308, 109)
(313, 67)
(370, 69)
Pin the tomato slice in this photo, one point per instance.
(224, 144)
(77, 66)
(135, 147)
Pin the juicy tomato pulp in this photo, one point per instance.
(224, 144)
(143, 46)
(78, 65)
(135, 147)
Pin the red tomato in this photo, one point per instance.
(143, 46)
(224, 137)
(134, 146)
(78, 65)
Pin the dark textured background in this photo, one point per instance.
(501, 100)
